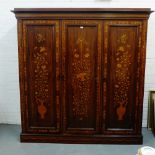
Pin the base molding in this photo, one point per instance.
(94, 139)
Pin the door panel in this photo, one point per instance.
(122, 59)
(42, 67)
(81, 52)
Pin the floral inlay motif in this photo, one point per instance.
(40, 66)
(42, 109)
(122, 75)
(81, 78)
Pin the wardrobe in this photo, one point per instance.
(81, 74)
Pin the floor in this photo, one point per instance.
(10, 145)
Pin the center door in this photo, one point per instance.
(81, 58)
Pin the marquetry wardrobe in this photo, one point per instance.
(82, 74)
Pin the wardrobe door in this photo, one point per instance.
(121, 72)
(40, 104)
(81, 47)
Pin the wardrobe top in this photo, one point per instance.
(84, 10)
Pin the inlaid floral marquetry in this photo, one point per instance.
(82, 55)
(42, 59)
(122, 74)
(41, 74)
(122, 49)
(81, 64)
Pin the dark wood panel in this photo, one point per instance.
(42, 76)
(95, 139)
(123, 45)
(81, 75)
(72, 10)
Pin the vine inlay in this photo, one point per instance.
(81, 78)
(122, 74)
(40, 58)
